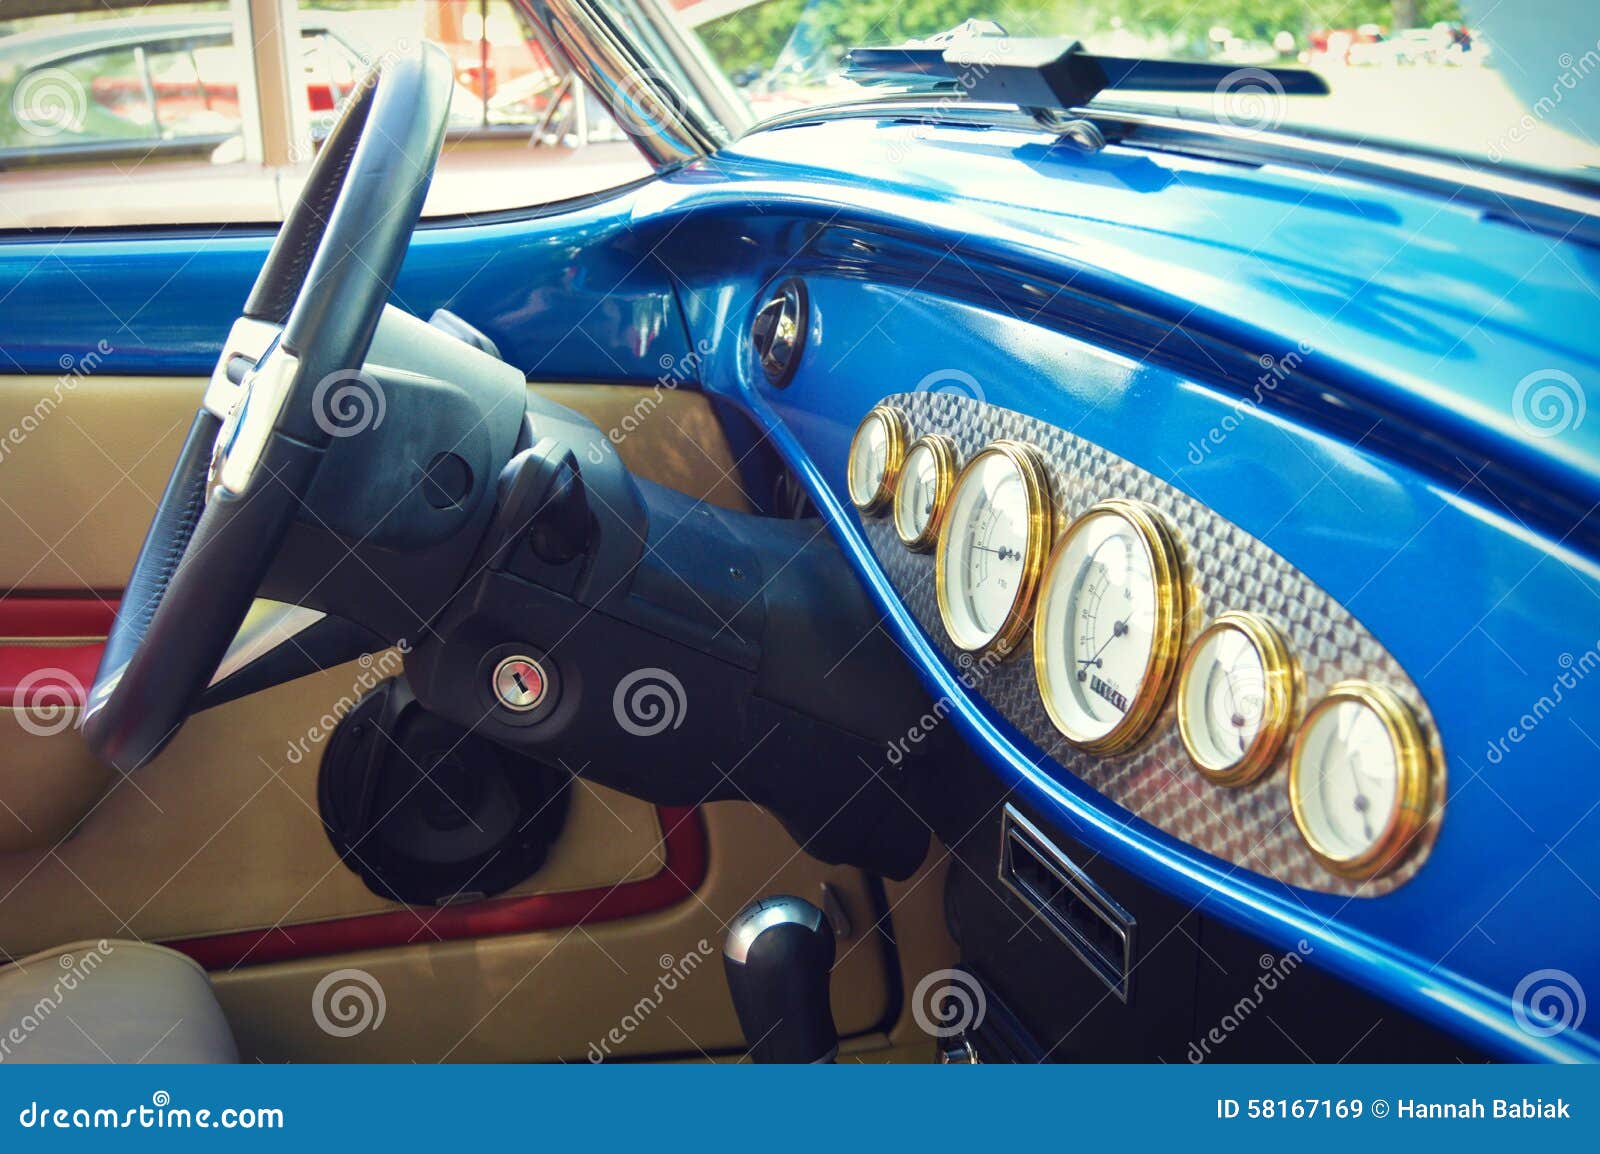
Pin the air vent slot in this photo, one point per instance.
(779, 331)
(1091, 923)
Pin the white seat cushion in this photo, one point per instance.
(111, 1001)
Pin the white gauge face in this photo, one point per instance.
(1098, 625)
(917, 498)
(1225, 698)
(869, 459)
(985, 550)
(1349, 779)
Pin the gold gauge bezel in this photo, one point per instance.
(1041, 521)
(943, 450)
(1166, 648)
(1416, 790)
(1281, 690)
(897, 430)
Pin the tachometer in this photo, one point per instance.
(1236, 698)
(926, 480)
(992, 546)
(1109, 628)
(876, 454)
(1361, 780)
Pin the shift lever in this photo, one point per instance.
(778, 955)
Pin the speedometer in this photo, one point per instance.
(1109, 628)
(992, 546)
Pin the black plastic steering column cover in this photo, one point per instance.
(327, 278)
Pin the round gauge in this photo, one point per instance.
(876, 452)
(1109, 629)
(992, 545)
(926, 479)
(1361, 779)
(1236, 698)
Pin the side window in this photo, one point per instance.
(167, 114)
(110, 116)
(523, 128)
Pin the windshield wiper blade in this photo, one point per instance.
(1052, 73)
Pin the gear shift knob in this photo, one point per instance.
(778, 955)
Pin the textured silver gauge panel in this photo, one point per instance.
(1227, 568)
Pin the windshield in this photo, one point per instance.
(1485, 81)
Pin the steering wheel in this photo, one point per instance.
(255, 445)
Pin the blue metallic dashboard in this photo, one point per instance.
(1408, 461)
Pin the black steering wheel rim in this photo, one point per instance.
(253, 449)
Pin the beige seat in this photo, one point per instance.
(111, 1001)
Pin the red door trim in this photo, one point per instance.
(50, 649)
(687, 860)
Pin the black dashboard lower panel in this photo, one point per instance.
(1198, 990)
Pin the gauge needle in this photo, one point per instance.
(1361, 803)
(1235, 717)
(1005, 552)
(1118, 628)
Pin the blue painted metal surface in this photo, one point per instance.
(1391, 448)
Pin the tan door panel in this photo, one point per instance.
(48, 780)
(221, 833)
(85, 459)
(650, 985)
